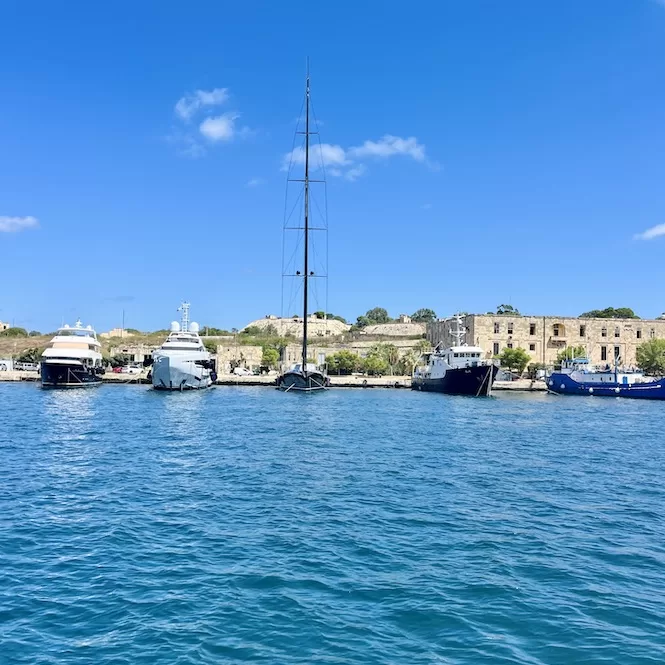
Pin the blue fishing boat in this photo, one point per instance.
(578, 377)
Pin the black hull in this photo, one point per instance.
(302, 382)
(68, 376)
(473, 381)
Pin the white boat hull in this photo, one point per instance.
(172, 373)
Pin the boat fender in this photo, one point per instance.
(590, 391)
(563, 386)
(213, 376)
(617, 390)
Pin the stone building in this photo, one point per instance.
(4, 326)
(543, 337)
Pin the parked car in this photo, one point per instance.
(242, 371)
(117, 370)
(26, 367)
(130, 369)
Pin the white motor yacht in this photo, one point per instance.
(73, 359)
(182, 362)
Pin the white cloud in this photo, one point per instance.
(389, 145)
(355, 172)
(255, 182)
(220, 128)
(654, 231)
(189, 104)
(324, 154)
(426, 206)
(346, 162)
(16, 224)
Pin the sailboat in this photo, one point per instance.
(305, 376)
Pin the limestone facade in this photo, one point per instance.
(543, 337)
(293, 326)
(400, 329)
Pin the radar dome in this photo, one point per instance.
(194, 327)
(175, 326)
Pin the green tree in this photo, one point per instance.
(372, 317)
(507, 310)
(14, 332)
(34, 333)
(119, 360)
(30, 355)
(374, 365)
(251, 331)
(391, 354)
(210, 345)
(209, 331)
(424, 315)
(407, 363)
(270, 357)
(610, 313)
(423, 346)
(514, 359)
(570, 353)
(651, 357)
(343, 362)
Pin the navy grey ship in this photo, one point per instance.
(73, 359)
(457, 370)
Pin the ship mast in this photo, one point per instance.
(306, 266)
(184, 321)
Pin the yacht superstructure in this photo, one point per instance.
(73, 359)
(457, 370)
(182, 362)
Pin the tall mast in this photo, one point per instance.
(306, 266)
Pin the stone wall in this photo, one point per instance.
(396, 329)
(315, 327)
(543, 337)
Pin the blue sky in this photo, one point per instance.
(478, 152)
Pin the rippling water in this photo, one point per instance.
(375, 527)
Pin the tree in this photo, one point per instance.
(329, 315)
(210, 345)
(610, 313)
(570, 353)
(343, 362)
(423, 346)
(270, 357)
(119, 360)
(362, 322)
(507, 310)
(378, 315)
(209, 331)
(14, 332)
(424, 315)
(252, 331)
(514, 359)
(34, 333)
(374, 365)
(651, 357)
(408, 362)
(30, 355)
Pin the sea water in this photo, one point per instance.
(244, 525)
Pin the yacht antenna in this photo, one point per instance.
(458, 333)
(184, 321)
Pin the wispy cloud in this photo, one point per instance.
(255, 182)
(346, 162)
(16, 224)
(210, 129)
(388, 146)
(220, 128)
(653, 232)
(189, 104)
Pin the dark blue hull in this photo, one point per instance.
(302, 381)
(562, 384)
(68, 376)
(473, 381)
